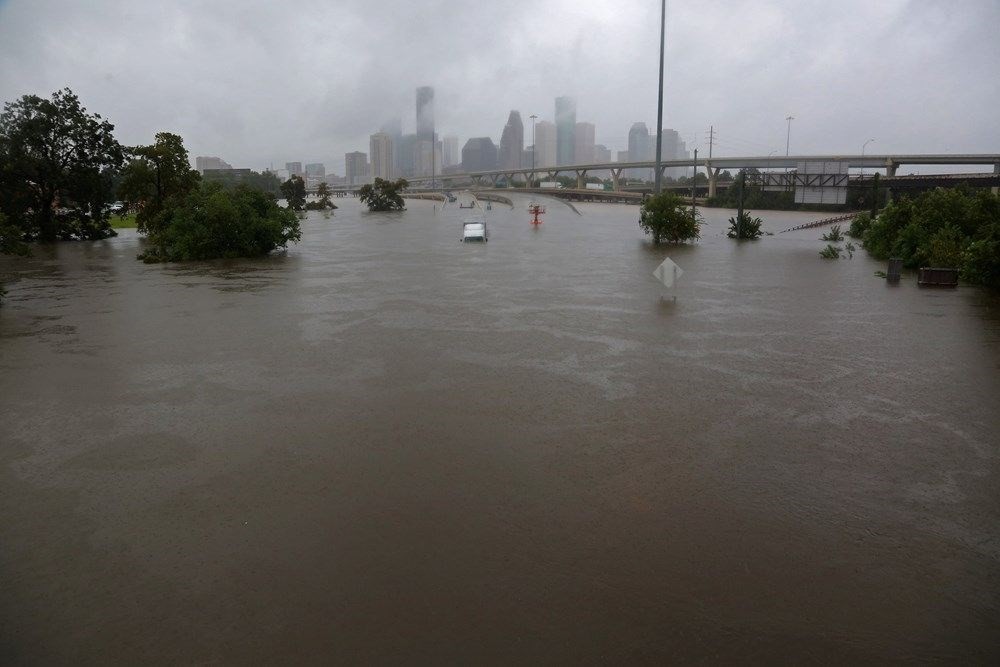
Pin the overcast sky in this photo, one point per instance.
(257, 82)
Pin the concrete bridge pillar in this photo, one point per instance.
(510, 180)
(891, 167)
(713, 179)
(581, 179)
(616, 176)
(494, 178)
(477, 181)
(996, 188)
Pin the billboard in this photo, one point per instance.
(821, 183)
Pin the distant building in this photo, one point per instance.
(449, 152)
(380, 144)
(479, 154)
(545, 144)
(622, 156)
(512, 142)
(407, 155)
(315, 171)
(639, 150)
(294, 169)
(356, 168)
(673, 148)
(565, 130)
(583, 149)
(602, 154)
(203, 163)
(526, 157)
(394, 128)
(426, 163)
(425, 113)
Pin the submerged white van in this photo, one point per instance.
(475, 230)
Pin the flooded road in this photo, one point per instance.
(388, 446)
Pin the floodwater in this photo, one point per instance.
(387, 446)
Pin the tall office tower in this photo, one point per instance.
(526, 156)
(545, 144)
(426, 162)
(449, 152)
(356, 168)
(602, 154)
(203, 163)
(639, 150)
(380, 145)
(294, 169)
(425, 113)
(394, 128)
(407, 155)
(479, 154)
(512, 142)
(565, 129)
(583, 150)
(622, 156)
(315, 170)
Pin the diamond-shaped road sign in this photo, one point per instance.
(668, 272)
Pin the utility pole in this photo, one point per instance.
(694, 181)
(534, 149)
(433, 158)
(711, 139)
(788, 135)
(659, 102)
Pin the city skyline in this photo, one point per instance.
(317, 101)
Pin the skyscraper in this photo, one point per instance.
(602, 154)
(545, 144)
(356, 168)
(565, 129)
(203, 163)
(583, 150)
(394, 128)
(449, 152)
(294, 169)
(639, 150)
(512, 142)
(380, 145)
(479, 154)
(425, 113)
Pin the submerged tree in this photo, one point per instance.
(666, 217)
(323, 191)
(57, 164)
(154, 175)
(383, 195)
(744, 226)
(212, 222)
(294, 192)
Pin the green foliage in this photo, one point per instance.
(212, 222)
(294, 192)
(667, 218)
(830, 252)
(11, 238)
(834, 235)
(743, 226)
(232, 179)
(947, 228)
(57, 164)
(859, 225)
(383, 195)
(154, 176)
(324, 192)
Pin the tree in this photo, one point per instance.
(294, 192)
(666, 217)
(383, 195)
(154, 175)
(11, 238)
(57, 163)
(212, 222)
(324, 192)
(743, 226)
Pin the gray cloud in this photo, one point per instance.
(256, 82)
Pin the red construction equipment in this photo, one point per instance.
(535, 210)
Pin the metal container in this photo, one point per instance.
(938, 277)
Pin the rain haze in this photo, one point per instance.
(263, 83)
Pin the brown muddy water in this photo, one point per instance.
(387, 446)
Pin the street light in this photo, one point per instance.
(863, 155)
(659, 102)
(534, 149)
(788, 135)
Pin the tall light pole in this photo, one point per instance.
(534, 149)
(659, 102)
(788, 135)
(863, 155)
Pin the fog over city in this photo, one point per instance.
(259, 83)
